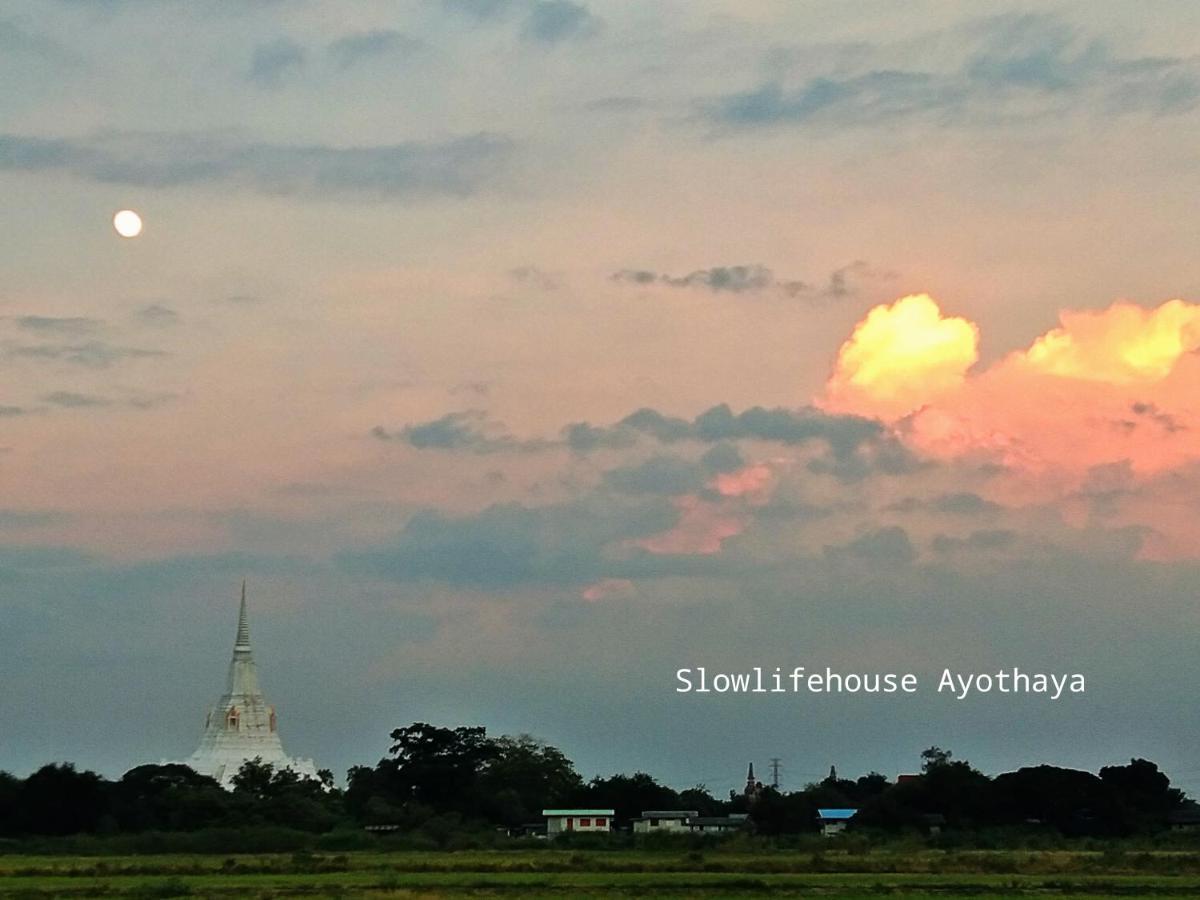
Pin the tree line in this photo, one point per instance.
(439, 781)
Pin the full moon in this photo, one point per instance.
(128, 223)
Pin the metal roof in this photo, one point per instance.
(579, 812)
(836, 813)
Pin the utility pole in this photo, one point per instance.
(775, 766)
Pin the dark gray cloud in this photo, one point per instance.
(1152, 413)
(881, 545)
(71, 325)
(16, 39)
(478, 9)
(274, 60)
(962, 503)
(755, 278)
(983, 540)
(584, 438)
(509, 544)
(551, 21)
(668, 475)
(843, 433)
(457, 167)
(73, 400)
(89, 354)
(351, 49)
(532, 276)
(27, 518)
(157, 314)
(722, 457)
(738, 279)
(1034, 60)
(12, 411)
(467, 430)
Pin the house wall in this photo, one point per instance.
(660, 826)
(563, 824)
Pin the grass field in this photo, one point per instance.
(623, 873)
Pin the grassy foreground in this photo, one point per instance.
(623, 873)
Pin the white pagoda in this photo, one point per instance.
(242, 726)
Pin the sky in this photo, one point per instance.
(519, 353)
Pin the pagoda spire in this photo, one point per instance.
(243, 631)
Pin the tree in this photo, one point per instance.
(168, 798)
(934, 757)
(628, 795)
(524, 777)
(56, 799)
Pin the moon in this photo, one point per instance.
(128, 223)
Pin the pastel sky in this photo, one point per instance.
(520, 352)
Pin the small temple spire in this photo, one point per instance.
(242, 725)
(243, 632)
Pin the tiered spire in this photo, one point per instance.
(242, 724)
(243, 631)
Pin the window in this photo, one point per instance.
(601, 823)
(585, 823)
(654, 823)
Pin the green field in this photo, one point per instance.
(623, 873)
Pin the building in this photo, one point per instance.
(242, 726)
(589, 821)
(834, 821)
(663, 821)
(1185, 818)
(718, 824)
(753, 787)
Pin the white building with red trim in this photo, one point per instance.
(587, 821)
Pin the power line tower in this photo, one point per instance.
(776, 764)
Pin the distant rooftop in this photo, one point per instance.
(669, 813)
(579, 812)
(836, 813)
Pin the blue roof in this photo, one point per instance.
(836, 813)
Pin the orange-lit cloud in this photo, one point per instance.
(1124, 344)
(902, 356)
(1105, 387)
(705, 524)
(607, 587)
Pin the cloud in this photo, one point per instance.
(456, 167)
(657, 475)
(552, 21)
(30, 518)
(72, 400)
(274, 60)
(1123, 344)
(901, 356)
(90, 354)
(584, 438)
(608, 587)
(1027, 65)
(720, 423)
(509, 544)
(468, 430)
(157, 314)
(1105, 388)
(478, 9)
(728, 279)
(987, 539)
(534, 277)
(71, 325)
(889, 545)
(962, 503)
(8, 412)
(755, 278)
(351, 49)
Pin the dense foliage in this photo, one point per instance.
(443, 781)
